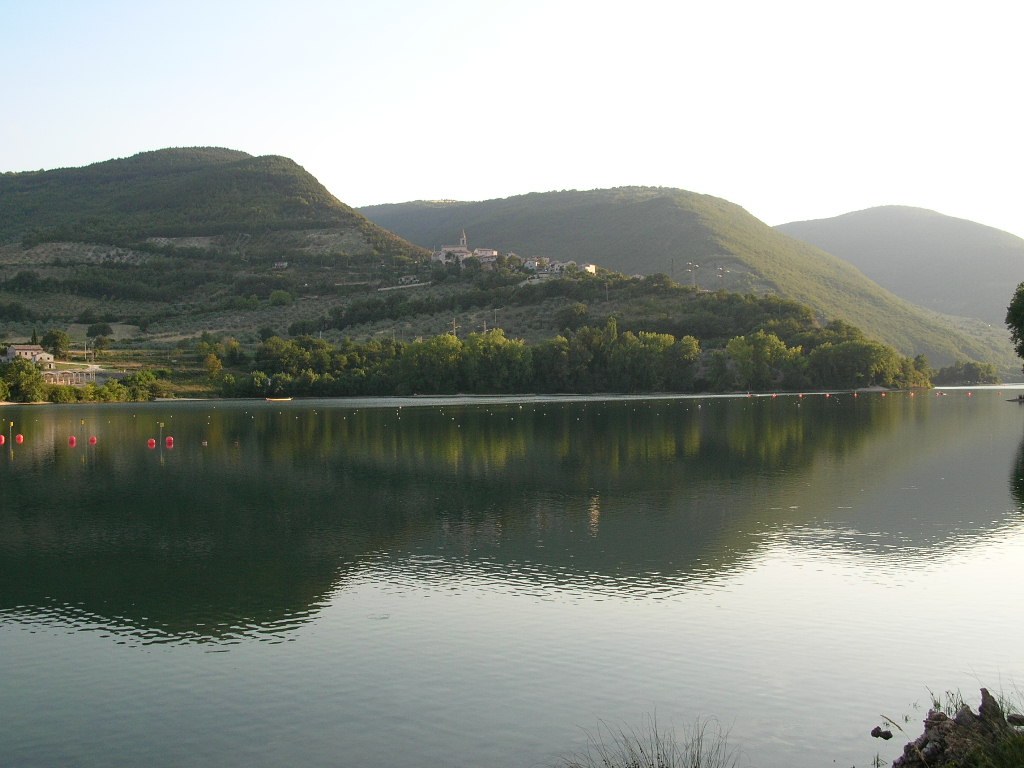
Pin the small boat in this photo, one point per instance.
(278, 399)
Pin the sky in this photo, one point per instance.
(794, 110)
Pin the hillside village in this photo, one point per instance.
(490, 258)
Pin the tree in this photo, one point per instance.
(551, 366)
(99, 329)
(967, 372)
(213, 366)
(56, 342)
(761, 359)
(24, 380)
(303, 328)
(572, 316)
(233, 352)
(856, 364)
(493, 363)
(432, 366)
(1015, 320)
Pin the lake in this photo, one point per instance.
(481, 581)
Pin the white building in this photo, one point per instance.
(486, 255)
(31, 352)
(453, 253)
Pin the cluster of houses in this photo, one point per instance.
(36, 354)
(31, 352)
(542, 267)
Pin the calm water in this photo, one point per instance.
(474, 583)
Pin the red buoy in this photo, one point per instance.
(169, 441)
(93, 440)
(151, 443)
(19, 439)
(3, 439)
(72, 441)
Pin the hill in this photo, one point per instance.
(700, 240)
(177, 239)
(199, 191)
(950, 265)
(180, 242)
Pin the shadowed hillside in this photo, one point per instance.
(949, 265)
(177, 241)
(182, 241)
(700, 240)
(199, 191)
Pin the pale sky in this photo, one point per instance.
(794, 110)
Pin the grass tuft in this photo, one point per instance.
(704, 745)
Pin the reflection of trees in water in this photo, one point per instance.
(249, 533)
(1017, 478)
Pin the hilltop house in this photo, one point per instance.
(31, 352)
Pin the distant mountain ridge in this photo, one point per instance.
(950, 265)
(696, 239)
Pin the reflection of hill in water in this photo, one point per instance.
(248, 535)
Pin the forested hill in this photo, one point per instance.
(696, 239)
(951, 265)
(173, 193)
(181, 241)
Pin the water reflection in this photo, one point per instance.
(1017, 477)
(259, 512)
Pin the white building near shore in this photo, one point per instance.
(31, 352)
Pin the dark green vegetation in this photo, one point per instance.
(966, 374)
(949, 265)
(1015, 320)
(170, 239)
(21, 381)
(650, 230)
(699, 342)
(603, 333)
(145, 252)
(199, 191)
